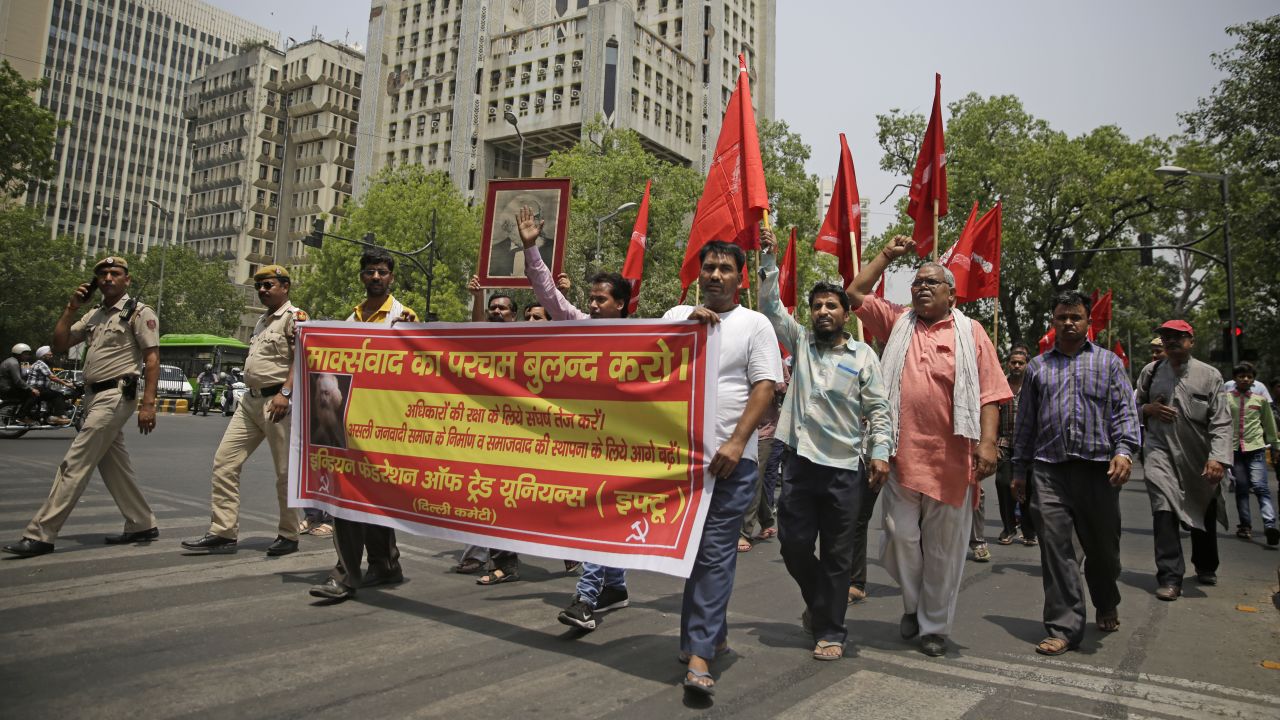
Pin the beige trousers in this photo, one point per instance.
(100, 444)
(248, 428)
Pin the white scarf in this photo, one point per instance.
(396, 311)
(966, 395)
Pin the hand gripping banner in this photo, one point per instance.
(580, 440)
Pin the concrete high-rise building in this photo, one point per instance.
(273, 138)
(488, 89)
(827, 186)
(118, 71)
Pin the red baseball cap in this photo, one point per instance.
(1179, 326)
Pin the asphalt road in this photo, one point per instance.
(148, 631)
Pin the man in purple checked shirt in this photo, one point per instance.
(1077, 429)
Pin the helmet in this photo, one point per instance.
(208, 367)
(21, 348)
(222, 376)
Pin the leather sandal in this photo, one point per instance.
(1052, 646)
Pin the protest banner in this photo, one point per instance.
(576, 440)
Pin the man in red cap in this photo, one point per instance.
(1187, 448)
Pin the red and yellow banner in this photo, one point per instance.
(578, 440)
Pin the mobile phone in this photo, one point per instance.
(93, 285)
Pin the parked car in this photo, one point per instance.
(173, 384)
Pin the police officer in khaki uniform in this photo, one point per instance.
(122, 335)
(262, 415)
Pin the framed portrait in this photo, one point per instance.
(501, 252)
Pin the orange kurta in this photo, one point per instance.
(930, 458)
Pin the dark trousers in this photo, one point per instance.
(353, 539)
(1204, 546)
(819, 504)
(1076, 497)
(760, 512)
(1009, 504)
(861, 528)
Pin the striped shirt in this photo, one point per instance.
(1074, 407)
(1252, 424)
(834, 391)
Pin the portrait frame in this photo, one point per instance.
(501, 253)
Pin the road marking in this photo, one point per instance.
(81, 510)
(871, 694)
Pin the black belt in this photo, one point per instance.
(109, 384)
(266, 391)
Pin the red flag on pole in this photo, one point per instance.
(1119, 350)
(787, 276)
(734, 198)
(879, 291)
(1100, 315)
(841, 231)
(1046, 343)
(929, 181)
(975, 258)
(633, 268)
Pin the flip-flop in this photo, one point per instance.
(1109, 622)
(497, 577)
(823, 645)
(1055, 646)
(744, 545)
(692, 685)
(768, 533)
(468, 567)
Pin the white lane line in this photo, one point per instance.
(1199, 685)
(871, 694)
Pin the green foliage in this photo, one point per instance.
(608, 168)
(41, 273)
(1058, 192)
(197, 297)
(26, 133)
(398, 210)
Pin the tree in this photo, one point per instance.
(609, 167)
(197, 296)
(26, 133)
(41, 275)
(1236, 130)
(1058, 193)
(398, 209)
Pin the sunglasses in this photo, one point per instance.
(264, 285)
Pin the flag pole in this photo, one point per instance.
(859, 333)
(995, 326)
(936, 239)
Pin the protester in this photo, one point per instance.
(1076, 432)
(1185, 453)
(353, 539)
(262, 414)
(1010, 517)
(121, 336)
(749, 368)
(838, 405)
(535, 312)
(1253, 428)
(945, 384)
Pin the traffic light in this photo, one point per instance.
(1147, 256)
(315, 238)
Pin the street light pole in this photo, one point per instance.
(164, 254)
(600, 221)
(316, 240)
(512, 120)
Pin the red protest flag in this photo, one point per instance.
(841, 231)
(1100, 315)
(929, 181)
(787, 276)
(975, 258)
(1119, 350)
(633, 268)
(734, 198)
(1046, 343)
(879, 291)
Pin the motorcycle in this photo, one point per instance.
(231, 396)
(204, 400)
(11, 428)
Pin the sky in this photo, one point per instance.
(839, 63)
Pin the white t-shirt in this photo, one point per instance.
(748, 354)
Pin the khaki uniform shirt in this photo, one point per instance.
(114, 347)
(271, 347)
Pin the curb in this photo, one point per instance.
(171, 405)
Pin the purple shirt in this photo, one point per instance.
(1077, 407)
(544, 288)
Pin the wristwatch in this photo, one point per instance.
(287, 393)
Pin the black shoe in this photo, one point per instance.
(332, 590)
(282, 547)
(579, 614)
(26, 547)
(132, 537)
(212, 543)
(374, 576)
(909, 626)
(933, 645)
(612, 598)
(1169, 592)
(1207, 578)
(1273, 536)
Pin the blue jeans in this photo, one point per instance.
(597, 577)
(1251, 476)
(703, 613)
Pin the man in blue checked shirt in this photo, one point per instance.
(836, 385)
(1077, 428)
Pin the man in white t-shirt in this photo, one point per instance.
(749, 367)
